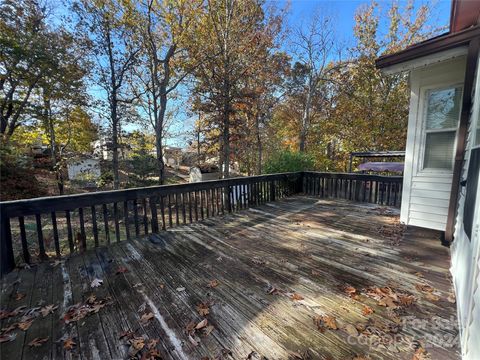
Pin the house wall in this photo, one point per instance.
(426, 193)
(86, 167)
(465, 267)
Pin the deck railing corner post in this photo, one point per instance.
(7, 258)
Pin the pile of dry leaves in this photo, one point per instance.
(90, 306)
(23, 319)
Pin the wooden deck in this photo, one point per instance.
(300, 278)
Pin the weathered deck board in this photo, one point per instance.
(303, 245)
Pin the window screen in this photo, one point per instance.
(441, 119)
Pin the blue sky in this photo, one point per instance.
(300, 12)
(343, 11)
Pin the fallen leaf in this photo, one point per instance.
(38, 342)
(351, 330)
(193, 340)
(272, 290)
(7, 337)
(152, 343)
(207, 330)
(424, 288)
(5, 314)
(406, 300)
(190, 326)
(152, 354)
(69, 344)
(351, 291)
(138, 343)
(19, 296)
(25, 325)
(91, 299)
(48, 309)
(96, 283)
(387, 302)
(330, 322)
(121, 270)
(213, 284)
(201, 324)
(9, 328)
(126, 334)
(203, 309)
(142, 307)
(432, 297)
(421, 354)
(367, 310)
(451, 298)
(297, 297)
(146, 317)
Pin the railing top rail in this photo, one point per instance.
(32, 206)
(367, 177)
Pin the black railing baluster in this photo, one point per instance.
(105, 223)
(153, 211)
(117, 221)
(56, 241)
(94, 225)
(83, 236)
(41, 243)
(135, 218)
(126, 219)
(69, 231)
(162, 214)
(145, 216)
(23, 238)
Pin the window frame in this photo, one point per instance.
(425, 91)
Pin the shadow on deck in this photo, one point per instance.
(299, 278)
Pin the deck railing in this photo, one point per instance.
(56, 226)
(377, 189)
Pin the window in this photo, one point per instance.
(441, 120)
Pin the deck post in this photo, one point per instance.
(272, 190)
(7, 259)
(227, 195)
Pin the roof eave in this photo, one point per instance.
(440, 43)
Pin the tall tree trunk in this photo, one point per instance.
(226, 123)
(226, 140)
(159, 135)
(114, 115)
(56, 164)
(259, 146)
(305, 121)
(113, 102)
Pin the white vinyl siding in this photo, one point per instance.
(432, 125)
(465, 252)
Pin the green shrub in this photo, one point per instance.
(288, 161)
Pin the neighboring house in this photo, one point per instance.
(172, 156)
(442, 164)
(101, 149)
(85, 168)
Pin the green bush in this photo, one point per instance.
(289, 161)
